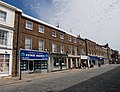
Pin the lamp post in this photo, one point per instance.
(20, 77)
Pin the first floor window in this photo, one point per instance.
(75, 50)
(70, 50)
(4, 63)
(28, 43)
(62, 48)
(3, 37)
(41, 45)
(54, 48)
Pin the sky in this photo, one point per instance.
(97, 20)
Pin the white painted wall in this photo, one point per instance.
(10, 16)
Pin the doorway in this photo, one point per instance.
(31, 66)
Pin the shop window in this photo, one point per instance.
(56, 62)
(3, 15)
(41, 45)
(4, 64)
(3, 37)
(28, 43)
(24, 65)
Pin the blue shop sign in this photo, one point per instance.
(93, 58)
(100, 59)
(33, 55)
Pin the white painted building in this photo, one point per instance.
(7, 16)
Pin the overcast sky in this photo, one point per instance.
(98, 20)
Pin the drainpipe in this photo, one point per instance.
(17, 43)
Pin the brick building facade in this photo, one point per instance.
(40, 47)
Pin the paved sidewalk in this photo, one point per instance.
(29, 77)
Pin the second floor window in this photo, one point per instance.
(3, 37)
(53, 33)
(61, 36)
(74, 40)
(29, 25)
(54, 48)
(69, 39)
(41, 45)
(41, 29)
(3, 16)
(62, 48)
(28, 43)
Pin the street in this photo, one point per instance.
(100, 79)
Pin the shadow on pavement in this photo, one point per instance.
(106, 82)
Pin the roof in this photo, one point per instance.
(47, 24)
(10, 6)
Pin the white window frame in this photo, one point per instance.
(4, 39)
(41, 45)
(5, 65)
(70, 49)
(54, 33)
(75, 50)
(3, 15)
(54, 47)
(41, 29)
(69, 39)
(74, 40)
(62, 48)
(61, 36)
(28, 44)
(28, 26)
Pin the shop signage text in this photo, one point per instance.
(33, 55)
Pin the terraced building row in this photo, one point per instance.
(30, 45)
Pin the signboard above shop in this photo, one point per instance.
(33, 55)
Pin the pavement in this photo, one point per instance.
(34, 76)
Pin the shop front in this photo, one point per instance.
(73, 61)
(84, 61)
(5, 63)
(33, 61)
(58, 61)
(101, 60)
(93, 60)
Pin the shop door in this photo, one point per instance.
(30, 65)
